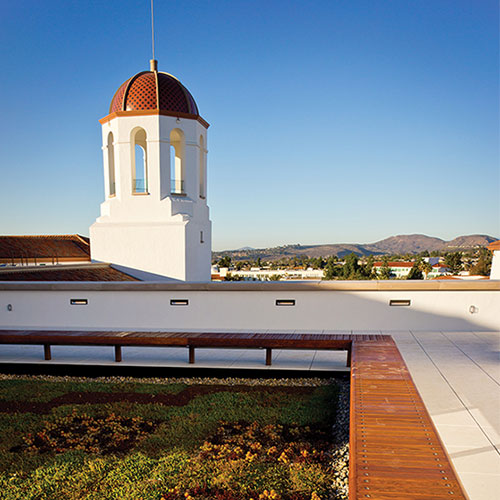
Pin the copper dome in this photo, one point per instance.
(153, 90)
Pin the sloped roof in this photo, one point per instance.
(495, 245)
(84, 272)
(45, 246)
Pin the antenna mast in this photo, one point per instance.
(153, 63)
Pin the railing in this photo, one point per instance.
(140, 185)
(177, 186)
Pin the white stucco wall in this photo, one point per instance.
(248, 307)
(157, 232)
(495, 266)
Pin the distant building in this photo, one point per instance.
(260, 274)
(432, 260)
(438, 270)
(398, 269)
(402, 269)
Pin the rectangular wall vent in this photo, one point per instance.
(400, 302)
(285, 302)
(179, 302)
(78, 302)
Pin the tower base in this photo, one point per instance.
(155, 251)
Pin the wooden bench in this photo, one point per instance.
(395, 451)
(191, 341)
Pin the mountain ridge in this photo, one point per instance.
(403, 244)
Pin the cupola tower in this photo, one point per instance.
(155, 218)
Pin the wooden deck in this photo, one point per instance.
(395, 451)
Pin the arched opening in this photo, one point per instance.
(202, 168)
(139, 163)
(177, 175)
(111, 166)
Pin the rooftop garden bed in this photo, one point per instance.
(173, 439)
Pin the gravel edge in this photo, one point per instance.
(276, 382)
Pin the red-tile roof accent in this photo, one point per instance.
(474, 277)
(85, 272)
(117, 101)
(141, 93)
(149, 90)
(495, 245)
(67, 246)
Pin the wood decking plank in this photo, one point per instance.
(395, 451)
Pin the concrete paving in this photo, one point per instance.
(456, 373)
(458, 377)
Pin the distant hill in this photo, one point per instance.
(404, 243)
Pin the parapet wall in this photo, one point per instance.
(301, 306)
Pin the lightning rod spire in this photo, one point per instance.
(153, 63)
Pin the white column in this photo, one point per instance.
(495, 266)
(105, 158)
(191, 170)
(164, 170)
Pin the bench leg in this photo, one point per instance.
(118, 353)
(349, 356)
(191, 354)
(269, 356)
(46, 352)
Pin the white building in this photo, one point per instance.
(402, 269)
(398, 269)
(495, 264)
(284, 274)
(155, 220)
(438, 270)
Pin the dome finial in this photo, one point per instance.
(153, 65)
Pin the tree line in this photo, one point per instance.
(354, 267)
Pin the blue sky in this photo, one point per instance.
(331, 121)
